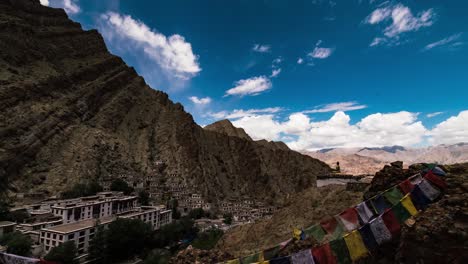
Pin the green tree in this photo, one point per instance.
(4, 209)
(120, 185)
(82, 189)
(17, 243)
(196, 213)
(173, 204)
(98, 246)
(157, 256)
(171, 233)
(208, 239)
(126, 238)
(227, 219)
(64, 253)
(143, 197)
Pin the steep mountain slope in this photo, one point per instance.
(71, 111)
(302, 210)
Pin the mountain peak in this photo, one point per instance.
(227, 128)
(391, 149)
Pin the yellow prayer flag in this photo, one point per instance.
(297, 234)
(408, 204)
(356, 246)
(234, 261)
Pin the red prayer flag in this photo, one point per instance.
(323, 254)
(349, 218)
(329, 225)
(436, 180)
(406, 186)
(391, 222)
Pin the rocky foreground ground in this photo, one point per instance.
(438, 235)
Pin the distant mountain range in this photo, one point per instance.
(369, 160)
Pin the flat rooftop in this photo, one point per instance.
(7, 223)
(73, 227)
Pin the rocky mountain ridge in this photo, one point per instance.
(73, 112)
(370, 160)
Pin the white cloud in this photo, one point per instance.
(70, 6)
(277, 61)
(377, 41)
(451, 131)
(275, 73)
(434, 114)
(401, 21)
(333, 107)
(379, 15)
(376, 130)
(251, 86)
(238, 113)
(173, 54)
(260, 126)
(321, 53)
(300, 60)
(200, 101)
(452, 40)
(261, 48)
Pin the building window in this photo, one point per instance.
(71, 236)
(82, 233)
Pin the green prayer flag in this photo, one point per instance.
(251, 259)
(316, 231)
(271, 253)
(393, 195)
(338, 233)
(340, 250)
(401, 213)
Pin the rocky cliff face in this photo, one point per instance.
(71, 111)
(440, 233)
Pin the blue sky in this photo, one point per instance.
(314, 73)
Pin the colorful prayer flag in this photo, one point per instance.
(316, 231)
(356, 246)
(332, 227)
(416, 180)
(380, 230)
(393, 195)
(302, 257)
(349, 218)
(365, 213)
(391, 222)
(408, 204)
(429, 190)
(340, 250)
(281, 260)
(401, 213)
(406, 186)
(436, 180)
(297, 233)
(438, 171)
(368, 237)
(323, 254)
(380, 204)
(419, 199)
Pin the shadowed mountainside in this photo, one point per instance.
(73, 112)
